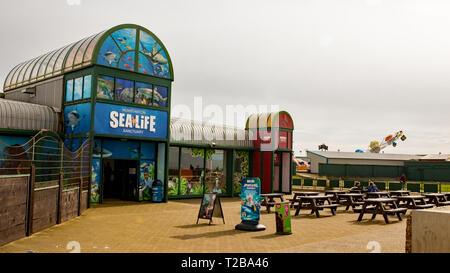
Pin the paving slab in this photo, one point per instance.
(129, 227)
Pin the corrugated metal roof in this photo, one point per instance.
(27, 116)
(192, 132)
(350, 155)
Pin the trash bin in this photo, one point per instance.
(157, 191)
(283, 218)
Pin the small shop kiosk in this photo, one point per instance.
(272, 162)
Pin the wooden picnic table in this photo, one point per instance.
(335, 194)
(352, 200)
(303, 193)
(269, 199)
(447, 195)
(379, 206)
(315, 203)
(379, 194)
(400, 193)
(413, 202)
(438, 199)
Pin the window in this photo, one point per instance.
(87, 87)
(79, 88)
(216, 171)
(124, 90)
(241, 163)
(160, 96)
(105, 87)
(144, 93)
(69, 91)
(191, 171)
(129, 91)
(174, 170)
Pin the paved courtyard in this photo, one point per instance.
(122, 227)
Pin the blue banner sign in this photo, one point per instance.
(130, 121)
(250, 199)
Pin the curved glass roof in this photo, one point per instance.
(127, 47)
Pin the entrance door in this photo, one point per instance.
(120, 179)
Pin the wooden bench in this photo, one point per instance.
(378, 206)
(333, 207)
(315, 203)
(397, 210)
(427, 206)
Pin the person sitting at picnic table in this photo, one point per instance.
(373, 187)
(358, 187)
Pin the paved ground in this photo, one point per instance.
(171, 228)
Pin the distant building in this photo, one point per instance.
(384, 159)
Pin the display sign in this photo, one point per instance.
(208, 207)
(283, 217)
(250, 199)
(114, 119)
(77, 118)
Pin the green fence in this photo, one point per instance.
(427, 171)
(414, 170)
(321, 183)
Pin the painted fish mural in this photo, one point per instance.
(105, 90)
(147, 94)
(74, 119)
(155, 56)
(98, 152)
(110, 57)
(134, 153)
(126, 95)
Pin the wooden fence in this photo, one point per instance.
(25, 209)
(42, 184)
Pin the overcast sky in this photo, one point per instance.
(348, 71)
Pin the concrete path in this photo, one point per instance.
(122, 227)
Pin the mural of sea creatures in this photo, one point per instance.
(106, 91)
(126, 95)
(134, 153)
(110, 57)
(148, 94)
(155, 56)
(98, 152)
(74, 119)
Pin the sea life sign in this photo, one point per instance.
(130, 121)
(250, 199)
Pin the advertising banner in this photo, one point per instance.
(114, 119)
(147, 176)
(77, 118)
(250, 199)
(283, 217)
(95, 181)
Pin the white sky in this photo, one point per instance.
(348, 71)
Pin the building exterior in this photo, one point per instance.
(113, 90)
(383, 159)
